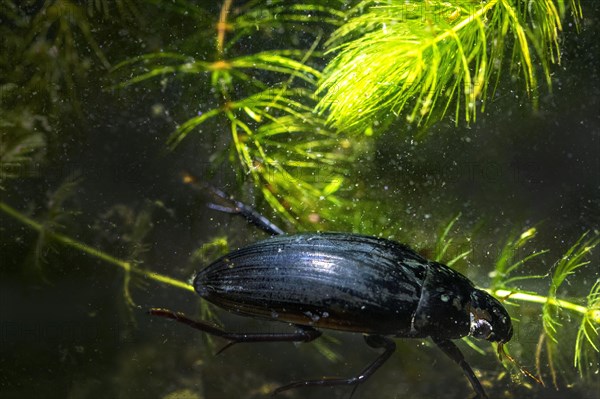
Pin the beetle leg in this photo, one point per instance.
(304, 333)
(374, 341)
(452, 351)
(251, 215)
(233, 206)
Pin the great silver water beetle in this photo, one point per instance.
(346, 282)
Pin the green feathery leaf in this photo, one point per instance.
(587, 345)
(572, 260)
(443, 243)
(419, 58)
(506, 264)
(56, 215)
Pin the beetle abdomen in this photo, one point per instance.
(339, 281)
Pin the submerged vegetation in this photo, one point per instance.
(419, 59)
(266, 99)
(276, 92)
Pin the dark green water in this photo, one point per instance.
(71, 335)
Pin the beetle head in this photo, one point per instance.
(489, 319)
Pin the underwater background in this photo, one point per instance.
(91, 179)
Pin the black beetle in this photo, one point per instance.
(346, 282)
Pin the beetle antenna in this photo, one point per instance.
(502, 352)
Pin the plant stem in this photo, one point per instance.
(222, 26)
(521, 296)
(456, 28)
(68, 241)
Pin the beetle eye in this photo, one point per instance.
(481, 329)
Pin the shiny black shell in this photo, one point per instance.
(340, 281)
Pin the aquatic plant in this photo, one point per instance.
(419, 59)
(511, 269)
(50, 54)
(261, 105)
(288, 152)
